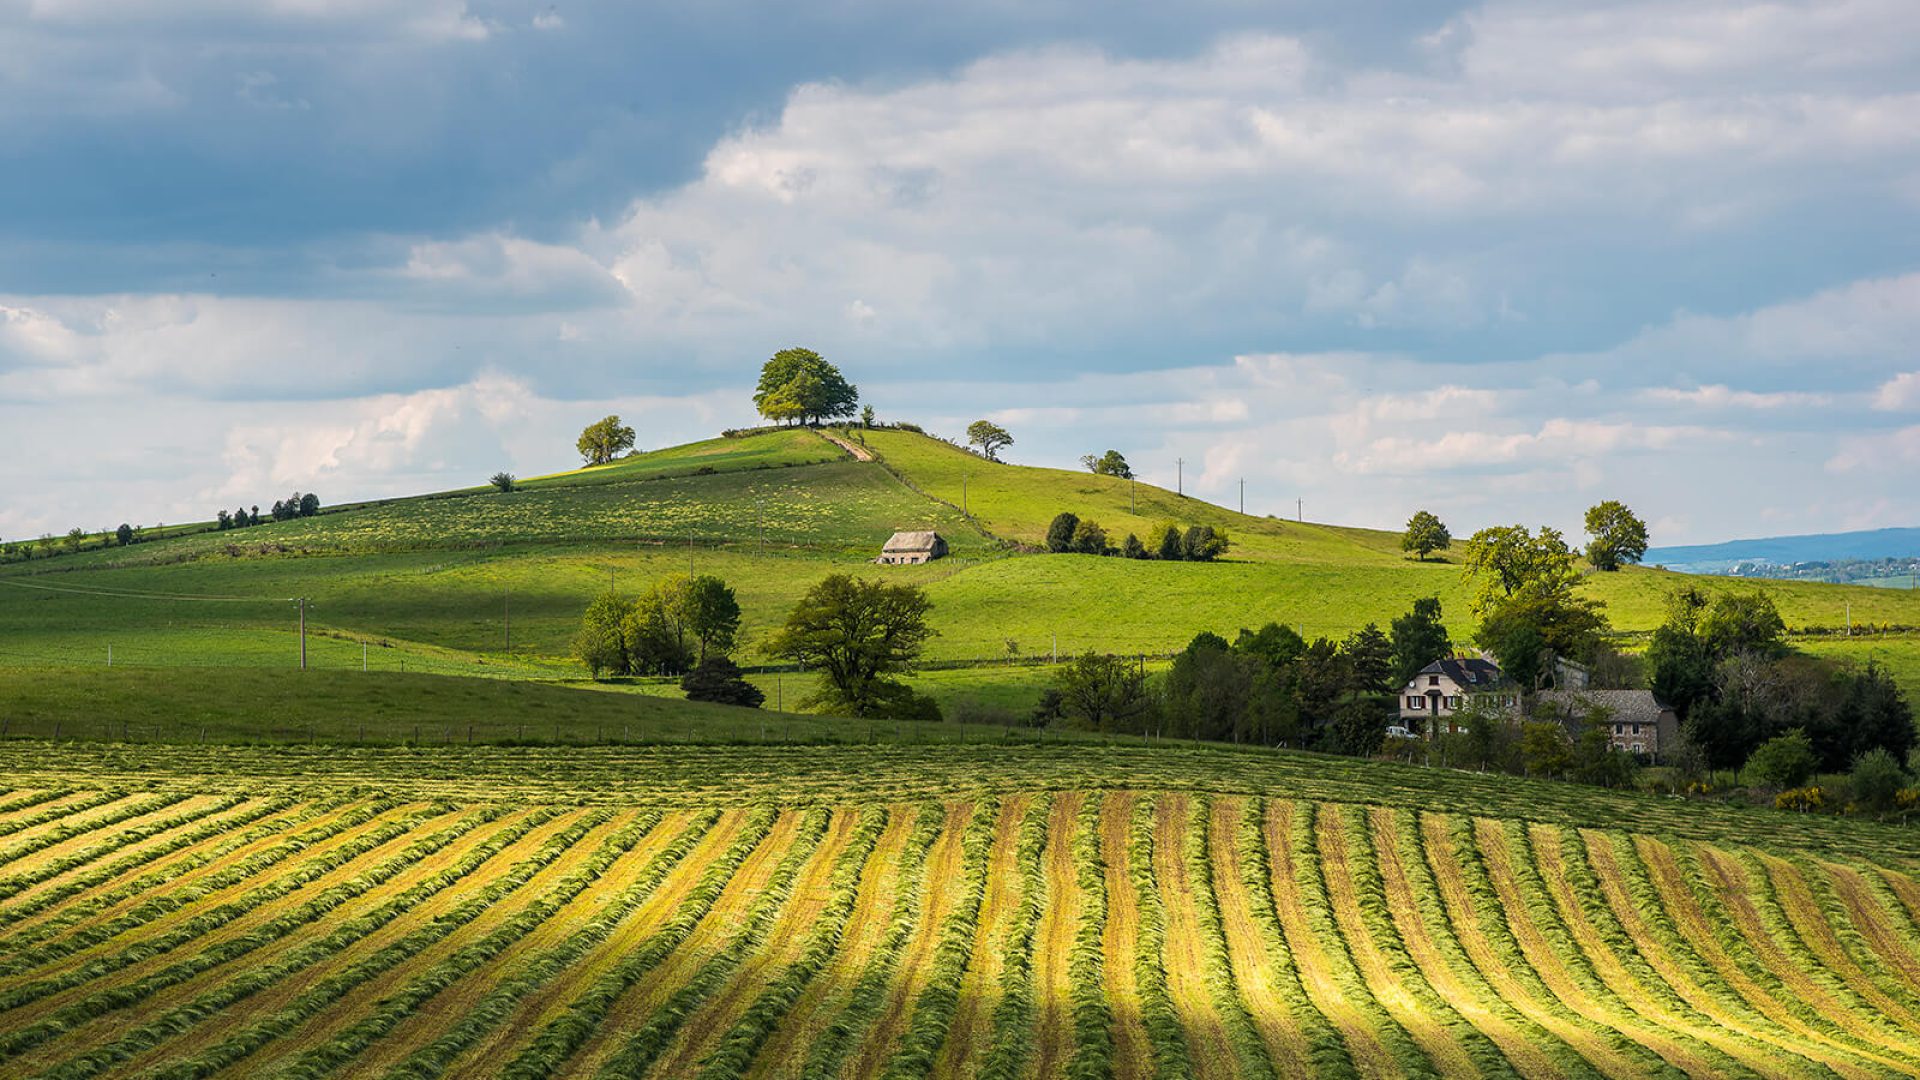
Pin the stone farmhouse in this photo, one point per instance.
(912, 548)
(1443, 689)
(1638, 722)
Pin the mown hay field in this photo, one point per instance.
(906, 912)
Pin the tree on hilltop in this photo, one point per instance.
(1618, 536)
(603, 440)
(990, 437)
(1425, 534)
(798, 386)
(1111, 463)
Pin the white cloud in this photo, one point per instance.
(1899, 393)
(1719, 396)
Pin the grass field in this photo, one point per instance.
(489, 584)
(894, 911)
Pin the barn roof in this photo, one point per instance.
(1467, 671)
(912, 541)
(1622, 706)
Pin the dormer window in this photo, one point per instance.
(1433, 680)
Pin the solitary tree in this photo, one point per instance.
(856, 633)
(603, 440)
(1061, 531)
(718, 679)
(797, 385)
(1110, 463)
(1102, 692)
(309, 504)
(503, 480)
(1425, 534)
(866, 416)
(1618, 536)
(990, 437)
(124, 534)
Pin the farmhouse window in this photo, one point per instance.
(1433, 680)
(1416, 702)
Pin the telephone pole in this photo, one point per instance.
(303, 633)
(1299, 510)
(963, 494)
(506, 618)
(1243, 495)
(1179, 476)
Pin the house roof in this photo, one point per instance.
(1623, 706)
(912, 541)
(1472, 672)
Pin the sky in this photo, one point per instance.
(1499, 261)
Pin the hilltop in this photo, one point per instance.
(480, 582)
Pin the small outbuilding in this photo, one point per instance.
(912, 548)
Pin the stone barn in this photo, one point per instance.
(911, 548)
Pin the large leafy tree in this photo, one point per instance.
(990, 437)
(1102, 692)
(1425, 534)
(1111, 463)
(856, 633)
(680, 621)
(798, 386)
(1419, 638)
(1524, 590)
(1618, 537)
(600, 643)
(603, 440)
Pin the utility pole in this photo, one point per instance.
(506, 618)
(1130, 508)
(303, 633)
(1299, 510)
(1179, 476)
(963, 494)
(363, 654)
(1243, 495)
(109, 654)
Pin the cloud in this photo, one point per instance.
(1719, 396)
(1902, 392)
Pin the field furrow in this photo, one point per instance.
(1432, 952)
(1874, 915)
(785, 936)
(1380, 1047)
(1269, 987)
(1809, 919)
(1131, 1057)
(1471, 910)
(979, 989)
(944, 881)
(1567, 952)
(130, 850)
(1054, 941)
(1186, 952)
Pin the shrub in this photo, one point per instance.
(1800, 799)
(502, 480)
(1132, 548)
(1877, 780)
(1784, 761)
(1060, 532)
(718, 679)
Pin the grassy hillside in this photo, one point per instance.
(911, 911)
(440, 583)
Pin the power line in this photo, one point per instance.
(129, 594)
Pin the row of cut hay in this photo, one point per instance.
(84, 956)
(1840, 949)
(18, 801)
(1166, 1035)
(1565, 935)
(1016, 1013)
(1418, 923)
(930, 857)
(75, 843)
(1132, 1055)
(1768, 977)
(215, 888)
(365, 885)
(853, 873)
(151, 1049)
(500, 997)
(495, 868)
(1359, 910)
(976, 992)
(1471, 908)
(558, 1038)
(1072, 860)
(802, 1025)
(51, 812)
(1219, 1029)
(1298, 1039)
(97, 894)
(1093, 1019)
(677, 1012)
(1879, 918)
(1379, 1045)
(914, 1052)
(447, 1025)
(50, 881)
(676, 996)
(105, 990)
(796, 838)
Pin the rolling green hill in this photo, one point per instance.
(479, 582)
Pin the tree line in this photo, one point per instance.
(1069, 533)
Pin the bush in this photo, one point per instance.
(1784, 761)
(1133, 548)
(718, 679)
(1877, 780)
(1800, 799)
(1061, 531)
(502, 480)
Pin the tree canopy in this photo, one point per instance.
(1425, 535)
(603, 440)
(990, 437)
(1618, 537)
(798, 386)
(856, 633)
(1111, 463)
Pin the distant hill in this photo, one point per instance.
(1786, 550)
